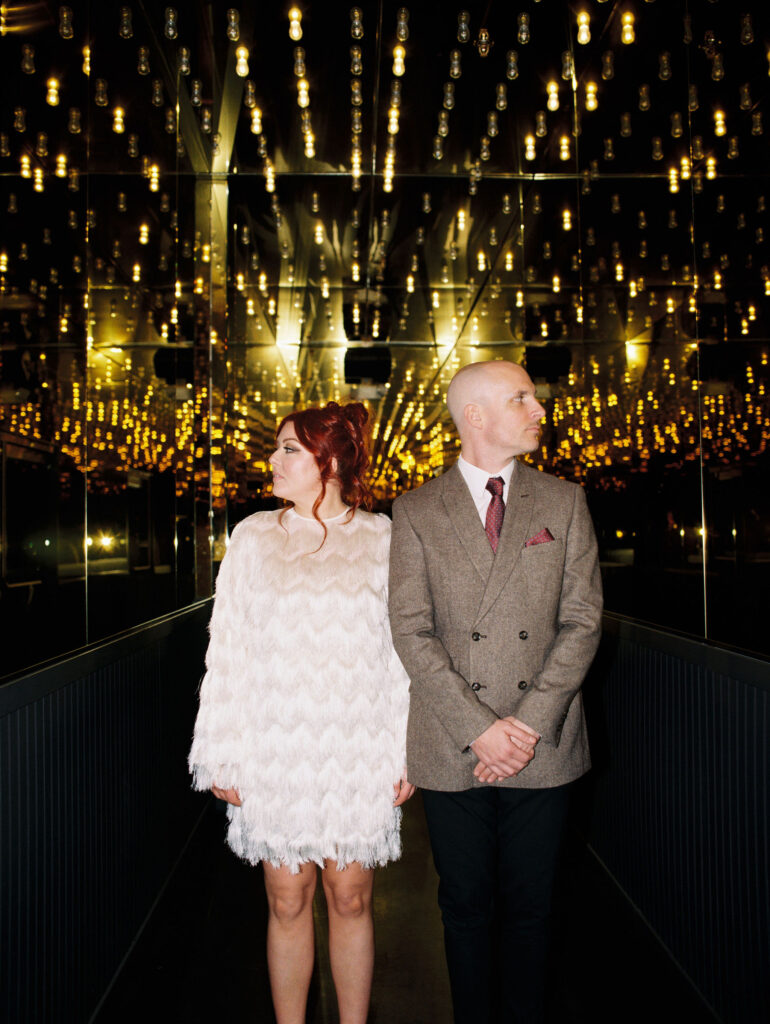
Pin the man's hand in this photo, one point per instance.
(504, 749)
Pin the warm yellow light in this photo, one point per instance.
(242, 61)
(355, 272)
(529, 147)
(632, 288)
(481, 260)
(711, 167)
(256, 121)
(318, 233)
(584, 28)
(717, 281)
(410, 283)
(136, 275)
(686, 168)
(619, 272)
(673, 179)
(519, 299)
(552, 88)
(720, 122)
(118, 123)
(61, 166)
(564, 147)
(556, 283)
(295, 24)
(461, 220)
(303, 94)
(509, 260)
(627, 33)
(399, 53)
(52, 92)
(591, 101)
(566, 219)
(435, 300)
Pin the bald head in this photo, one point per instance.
(476, 384)
(495, 411)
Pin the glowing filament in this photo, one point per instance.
(399, 53)
(295, 24)
(584, 28)
(242, 61)
(529, 147)
(566, 219)
(509, 260)
(627, 32)
(564, 147)
(118, 122)
(720, 123)
(52, 92)
(553, 95)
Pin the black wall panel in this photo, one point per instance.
(681, 804)
(95, 807)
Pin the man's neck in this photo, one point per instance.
(487, 461)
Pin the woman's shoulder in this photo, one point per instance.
(376, 522)
(256, 524)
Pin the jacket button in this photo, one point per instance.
(475, 636)
(475, 687)
(523, 634)
(523, 685)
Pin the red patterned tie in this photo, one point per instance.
(495, 510)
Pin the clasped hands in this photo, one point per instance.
(504, 749)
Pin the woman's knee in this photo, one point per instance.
(346, 898)
(289, 896)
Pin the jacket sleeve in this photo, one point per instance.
(545, 705)
(214, 756)
(434, 681)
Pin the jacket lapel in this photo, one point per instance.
(515, 530)
(465, 519)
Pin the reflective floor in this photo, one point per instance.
(201, 957)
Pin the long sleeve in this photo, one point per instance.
(215, 754)
(545, 705)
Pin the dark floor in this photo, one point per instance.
(201, 957)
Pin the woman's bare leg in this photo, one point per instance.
(290, 939)
(351, 937)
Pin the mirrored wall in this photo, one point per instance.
(212, 215)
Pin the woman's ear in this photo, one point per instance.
(334, 465)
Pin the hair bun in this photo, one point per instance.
(357, 414)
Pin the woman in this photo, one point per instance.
(302, 720)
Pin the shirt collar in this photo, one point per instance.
(477, 479)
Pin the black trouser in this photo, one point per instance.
(495, 851)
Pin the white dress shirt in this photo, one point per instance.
(477, 480)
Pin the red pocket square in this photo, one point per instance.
(543, 537)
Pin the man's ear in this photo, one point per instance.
(472, 415)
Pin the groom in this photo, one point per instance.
(495, 603)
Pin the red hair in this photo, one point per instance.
(336, 433)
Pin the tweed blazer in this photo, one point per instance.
(483, 635)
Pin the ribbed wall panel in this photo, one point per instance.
(95, 805)
(681, 809)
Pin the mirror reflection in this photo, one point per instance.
(212, 216)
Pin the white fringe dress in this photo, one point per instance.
(304, 703)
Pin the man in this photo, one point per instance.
(495, 604)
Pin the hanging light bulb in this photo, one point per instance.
(402, 25)
(242, 61)
(118, 123)
(52, 92)
(233, 25)
(529, 147)
(66, 30)
(720, 123)
(552, 88)
(295, 24)
(256, 121)
(591, 101)
(170, 26)
(125, 28)
(627, 32)
(399, 53)
(584, 27)
(564, 153)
